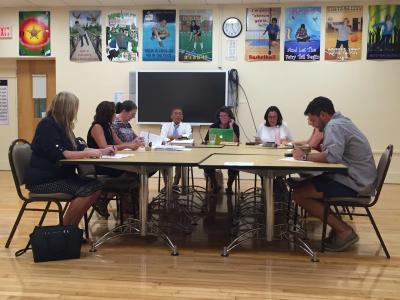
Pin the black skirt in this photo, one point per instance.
(76, 186)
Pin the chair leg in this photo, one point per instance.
(324, 225)
(46, 210)
(21, 212)
(377, 232)
(346, 208)
(60, 212)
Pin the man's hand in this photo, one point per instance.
(298, 154)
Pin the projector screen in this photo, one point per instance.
(199, 93)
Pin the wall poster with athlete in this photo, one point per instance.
(195, 35)
(85, 35)
(302, 33)
(159, 35)
(384, 32)
(263, 34)
(121, 36)
(343, 32)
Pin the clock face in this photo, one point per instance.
(232, 27)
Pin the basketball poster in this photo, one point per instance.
(195, 35)
(384, 32)
(85, 35)
(263, 34)
(159, 35)
(121, 37)
(34, 33)
(343, 33)
(302, 33)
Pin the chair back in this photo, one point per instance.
(19, 157)
(382, 169)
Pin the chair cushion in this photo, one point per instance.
(53, 196)
(361, 200)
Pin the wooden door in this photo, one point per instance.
(27, 121)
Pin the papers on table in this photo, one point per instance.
(155, 139)
(117, 155)
(238, 163)
(291, 159)
(170, 148)
(182, 142)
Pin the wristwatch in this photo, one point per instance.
(305, 156)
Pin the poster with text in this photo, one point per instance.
(85, 35)
(195, 35)
(34, 33)
(343, 33)
(263, 34)
(302, 33)
(159, 35)
(121, 37)
(384, 32)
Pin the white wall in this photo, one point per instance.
(366, 91)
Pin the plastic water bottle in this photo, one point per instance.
(277, 135)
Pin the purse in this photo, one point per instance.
(56, 242)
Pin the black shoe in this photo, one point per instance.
(100, 206)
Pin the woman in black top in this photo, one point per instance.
(101, 135)
(225, 119)
(54, 140)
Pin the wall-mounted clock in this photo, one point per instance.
(232, 27)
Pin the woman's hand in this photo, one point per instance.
(111, 150)
(258, 140)
(231, 123)
(92, 153)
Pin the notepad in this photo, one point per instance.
(116, 156)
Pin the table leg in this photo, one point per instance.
(144, 200)
(268, 186)
(185, 179)
(168, 188)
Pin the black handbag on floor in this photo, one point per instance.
(56, 242)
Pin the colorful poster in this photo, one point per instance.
(159, 35)
(195, 35)
(263, 34)
(384, 32)
(34, 33)
(302, 33)
(343, 33)
(85, 35)
(121, 37)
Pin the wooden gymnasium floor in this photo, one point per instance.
(143, 269)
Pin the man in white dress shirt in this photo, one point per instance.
(176, 130)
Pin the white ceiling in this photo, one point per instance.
(97, 3)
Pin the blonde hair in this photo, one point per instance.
(64, 109)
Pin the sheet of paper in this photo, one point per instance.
(155, 139)
(291, 159)
(238, 163)
(171, 148)
(117, 155)
(182, 142)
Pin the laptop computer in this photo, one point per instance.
(221, 135)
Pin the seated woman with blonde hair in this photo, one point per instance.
(54, 140)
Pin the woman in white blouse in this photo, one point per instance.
(274, 129)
